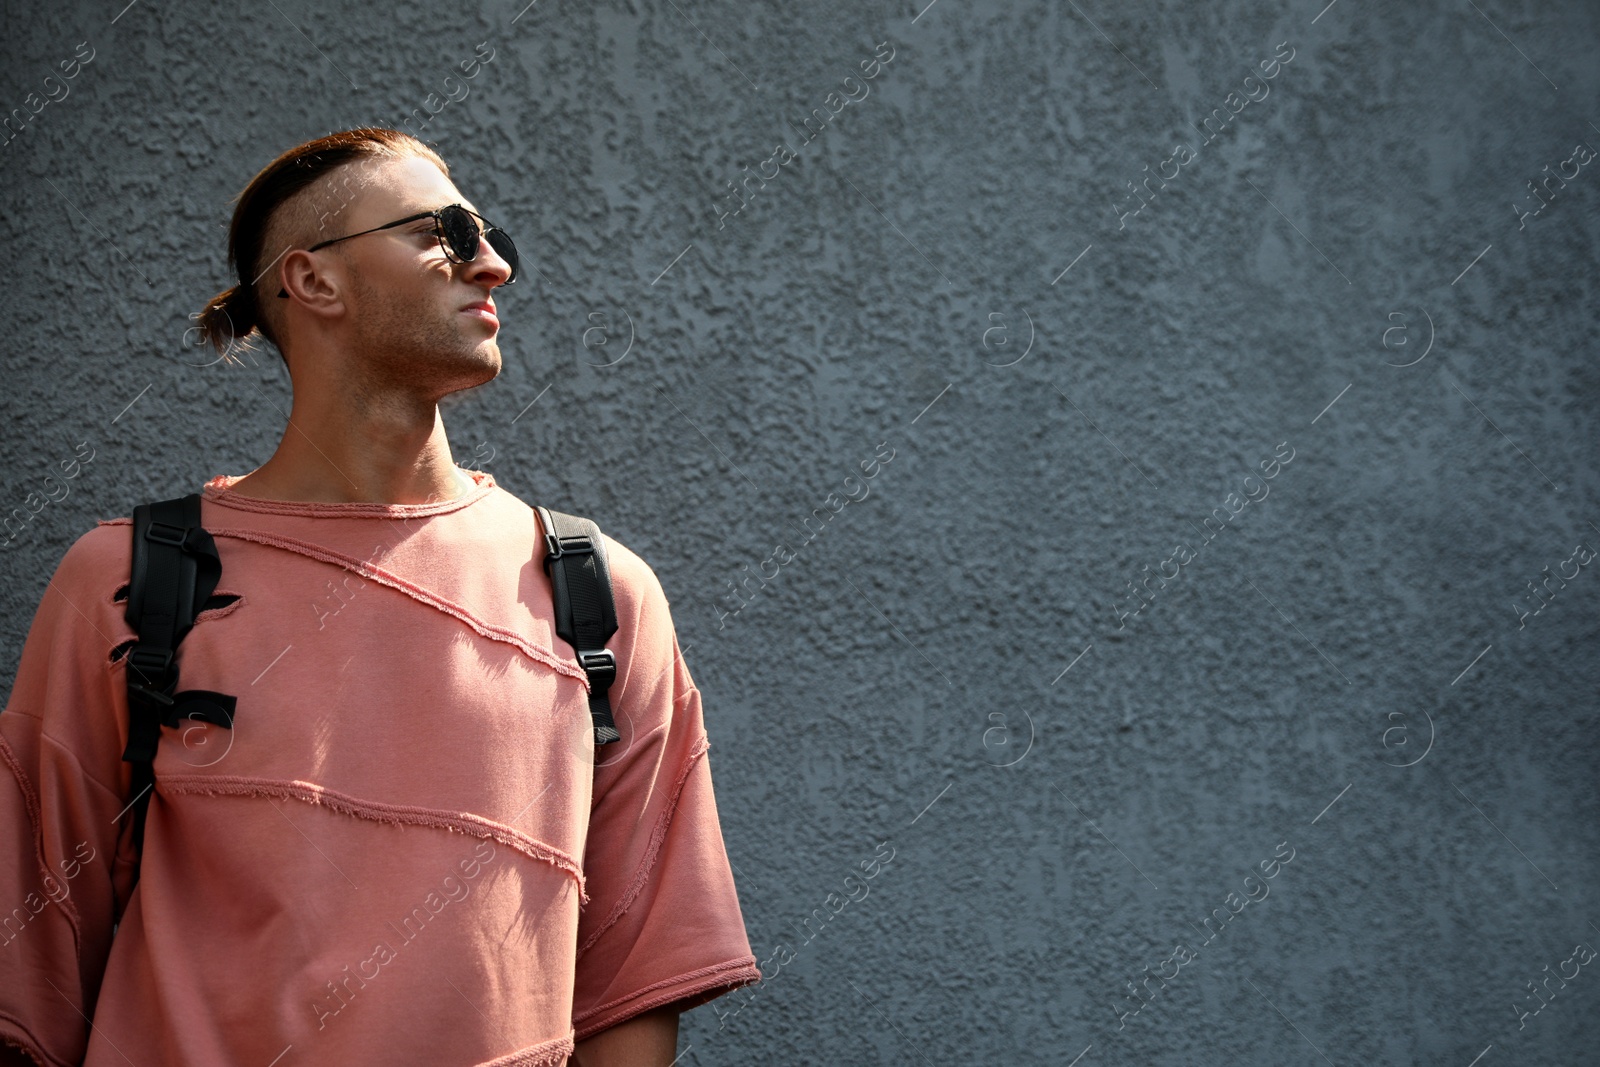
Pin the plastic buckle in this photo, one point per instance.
(600, 661)
(152, 663)
(155, 695)
(581, 545)
(150, 660)
(157, 531)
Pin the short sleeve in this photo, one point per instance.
(663, 924)
(65, 844)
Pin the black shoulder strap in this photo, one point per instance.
(175, 568)
(586, 616)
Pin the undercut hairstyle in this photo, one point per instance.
(295, 201)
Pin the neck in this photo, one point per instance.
(387, 453)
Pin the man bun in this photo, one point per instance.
(229, 316)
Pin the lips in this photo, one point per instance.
(484, 310)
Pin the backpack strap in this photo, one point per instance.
(175, 568)
(586, 616)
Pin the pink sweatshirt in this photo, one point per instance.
(402, 852)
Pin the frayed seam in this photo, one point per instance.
(376, 811)
(656, 837)
(30, 800)
(416, 592)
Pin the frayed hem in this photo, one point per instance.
(690, 986)
(553, 1053)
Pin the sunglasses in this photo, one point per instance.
(458, 235)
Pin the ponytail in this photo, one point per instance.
(229, 316)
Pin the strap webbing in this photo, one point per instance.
(175, 569)
(586, 617)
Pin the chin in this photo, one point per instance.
(488, 354)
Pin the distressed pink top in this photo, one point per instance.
(403, 851)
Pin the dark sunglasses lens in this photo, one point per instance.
(501, 243)
(461, 230)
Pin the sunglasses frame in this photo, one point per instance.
(448, 247)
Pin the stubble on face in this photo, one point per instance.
(405, 340)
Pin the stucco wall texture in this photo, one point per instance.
(1215, 650)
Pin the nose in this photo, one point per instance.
(488, 267)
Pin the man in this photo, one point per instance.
(407, 848)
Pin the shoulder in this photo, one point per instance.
(651, 674)
(646, 630)
(99, 555)
(630, 572)
(78, 603)
(641, 603)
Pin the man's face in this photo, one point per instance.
(405, 300)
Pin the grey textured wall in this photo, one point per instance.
(1350, 273)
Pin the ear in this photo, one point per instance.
(317, 283)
